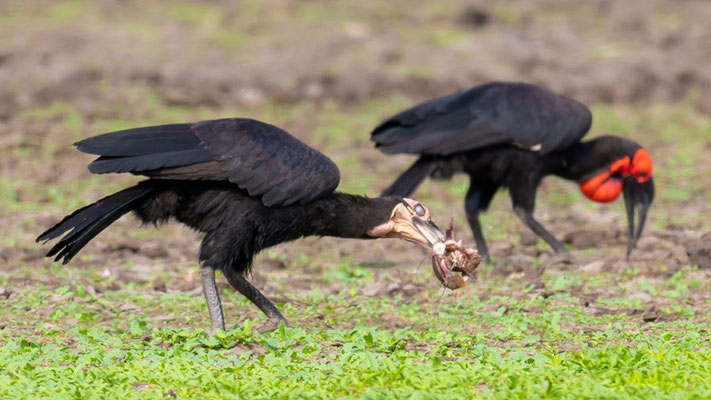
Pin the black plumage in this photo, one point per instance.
(260, 158)
(512, 135)
(516, 114)
(245, 184)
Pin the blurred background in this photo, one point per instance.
(329, 71)
(220, 54)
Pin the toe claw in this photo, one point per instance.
(271, 324)
(562, 258)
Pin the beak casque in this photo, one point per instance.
(404, 225)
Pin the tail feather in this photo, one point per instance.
(410, 179)
(85, 223)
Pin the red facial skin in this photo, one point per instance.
(641, 166)
(606, 186)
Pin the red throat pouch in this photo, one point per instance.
(606, 186)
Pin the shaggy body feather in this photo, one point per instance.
(236, 225)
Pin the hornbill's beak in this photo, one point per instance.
(429, 232)
(636, 195)
(410, 221)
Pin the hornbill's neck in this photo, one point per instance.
(345, 215)
(338, 214)
(583, 160)
(349, 216)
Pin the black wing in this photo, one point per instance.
(263, 159)
(495, 113)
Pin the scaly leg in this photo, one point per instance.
(479, 236)
(242, 285)
(562, 254)
(477, 199)
(212, 295)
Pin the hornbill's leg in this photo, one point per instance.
(523, 199)
(212, 295)
(239, 282)
(471, 206)
(525, 214)
(477, 200)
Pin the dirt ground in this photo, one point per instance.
(65, 72)
(601, 50)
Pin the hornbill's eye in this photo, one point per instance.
(420, 210)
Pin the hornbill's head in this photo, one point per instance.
(409, 220)
(627, 168)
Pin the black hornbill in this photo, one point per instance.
(246, 185)
(514, 134)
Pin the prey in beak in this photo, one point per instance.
(640, 196)
(411, 221)
(451, 256)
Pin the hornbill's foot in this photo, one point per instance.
(239, 282)
(272, 324)
(562, 257)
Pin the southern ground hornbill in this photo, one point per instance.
(512, 135)
(246, 185)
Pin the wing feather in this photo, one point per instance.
(495, 113)
(268, 161)
(140, 163)
(141, 141)
(262, 159)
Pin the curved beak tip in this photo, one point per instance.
(639, 196)
(429, 231)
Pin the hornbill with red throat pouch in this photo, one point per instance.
(512, 135)
(246, 185)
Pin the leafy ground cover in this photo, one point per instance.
(139, 342)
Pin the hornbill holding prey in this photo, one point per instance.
(512, 135)
(246, 185)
